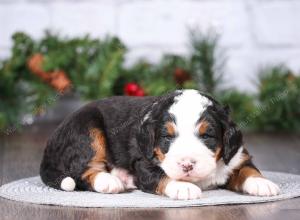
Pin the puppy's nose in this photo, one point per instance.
(187, 165)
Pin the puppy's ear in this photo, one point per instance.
(151, 116)
(146, 131)
(232, 137)
(146, 138)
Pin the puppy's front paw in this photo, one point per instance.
(258, 186)
(107, 183)
(182, 190)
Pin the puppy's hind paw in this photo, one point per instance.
(107, 183)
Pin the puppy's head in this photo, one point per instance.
(187, 133)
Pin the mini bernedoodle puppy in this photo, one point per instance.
(174, 145)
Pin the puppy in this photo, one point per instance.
(174, 145)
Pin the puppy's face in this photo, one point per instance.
(189, 138)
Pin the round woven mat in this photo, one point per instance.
(32, 190)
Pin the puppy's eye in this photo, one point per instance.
(169, 137)
(206, 136)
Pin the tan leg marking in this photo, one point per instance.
(239, 176)
(98, 162)
(160, 189)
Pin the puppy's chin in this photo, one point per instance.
(192, 179)
(200, 171)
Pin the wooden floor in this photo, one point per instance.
(20, 155)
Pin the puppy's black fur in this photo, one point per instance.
(132, 127)
(130, 141)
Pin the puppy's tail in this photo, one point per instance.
(68, 184)
(62, 182)
(56, 179)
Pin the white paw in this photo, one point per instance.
(107, 183)
(125, 177)
(258, 186)
(182, 190)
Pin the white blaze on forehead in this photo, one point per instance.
(188, 108)
(187, 146)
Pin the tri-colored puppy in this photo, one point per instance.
(175, 145)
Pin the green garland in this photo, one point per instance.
(206, 60)
(96, 69)
(279, 100)
(21, 93)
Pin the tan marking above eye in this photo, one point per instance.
(203, 127)
(170, 126)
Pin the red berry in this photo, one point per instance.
(140, 92)
(131, 88)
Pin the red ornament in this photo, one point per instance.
(133, 89)
(140, 92)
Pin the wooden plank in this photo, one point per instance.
(288, 209)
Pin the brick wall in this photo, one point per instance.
(255, 33)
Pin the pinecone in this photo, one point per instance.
(57, 79)
(181, 76)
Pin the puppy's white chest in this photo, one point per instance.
(217, 178)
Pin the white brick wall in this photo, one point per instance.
(254, 32)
